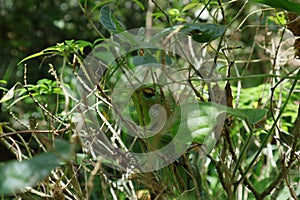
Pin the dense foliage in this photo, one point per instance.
(63, 66)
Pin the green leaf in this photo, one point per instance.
(279, 18)
(150, 56)
(262, 184)
(42, 53)
(83, 44)
(102, 3)
(141, 60)
(174, 12)
(283, 4)
(140, 4)
(15, 176)
(200, 32)
(9, 95)
(252, 116)
(200, 120)
(63, 149)
(47, 51)
(180, 19)
(190, 6)
(157, 15)
(3, 81)
(109, 21)
(69, 42)
(203, 32)
(99, 40)
(285, 193)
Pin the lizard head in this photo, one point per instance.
(147, 96)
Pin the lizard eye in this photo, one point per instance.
(148, 92)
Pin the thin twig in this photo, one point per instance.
(163, 12)
(34, 131)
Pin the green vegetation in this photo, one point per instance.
(203, 103)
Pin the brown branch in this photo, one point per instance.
(163, 12)
(222, 11)
(226, 185)
(246, 181)
(271, 187)
(296, 135)
(34, 131)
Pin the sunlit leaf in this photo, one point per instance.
(47, 51)
(69, 42)
(83, 43)
(190, 6)
(279, 18)
(157, 15)
(102, 3)
(174, 12)
(139, 4)
(9, 95)
(180, 19)
(3, 81)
